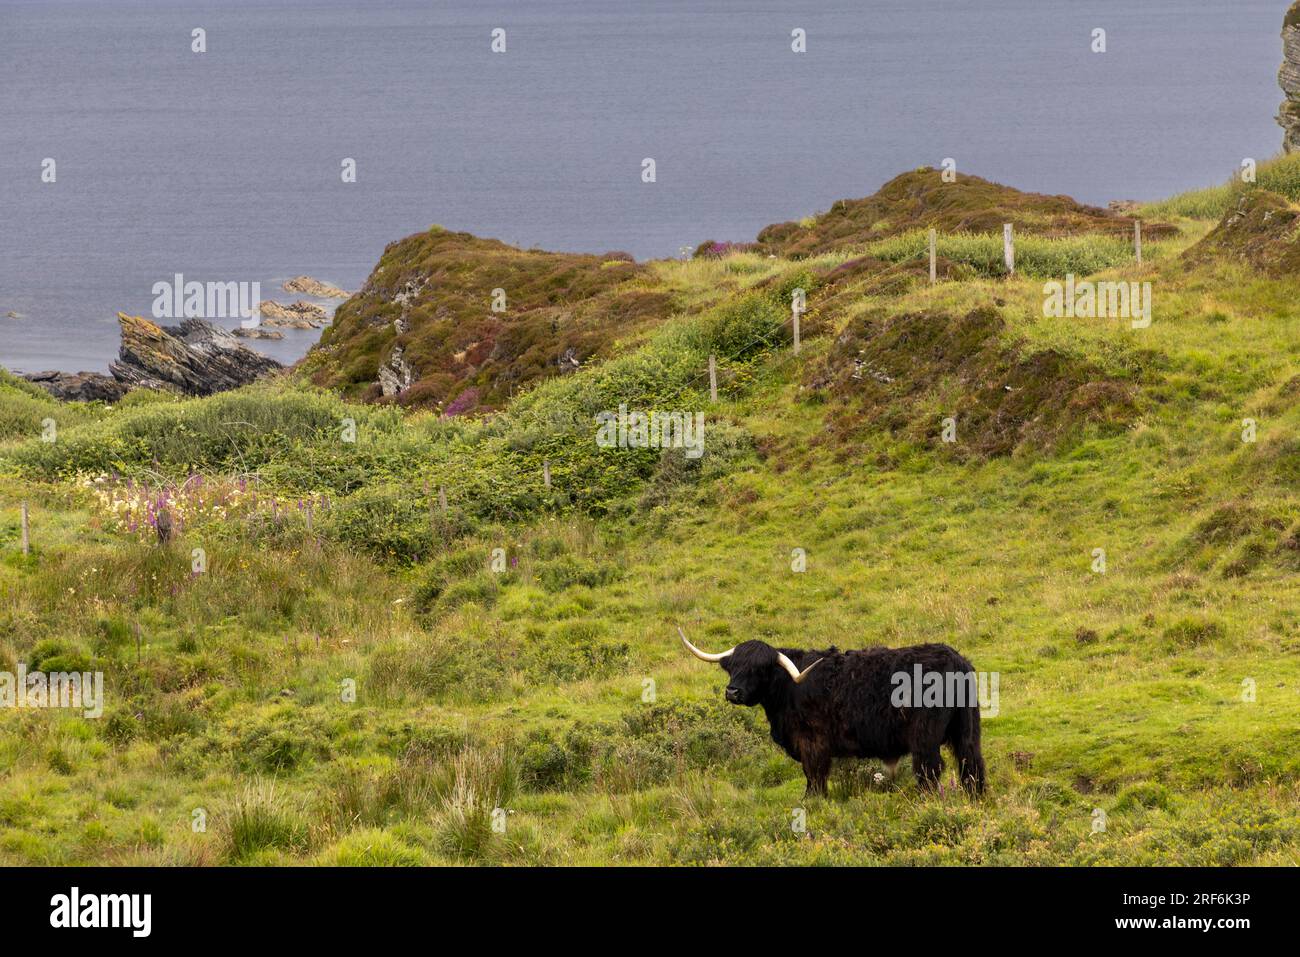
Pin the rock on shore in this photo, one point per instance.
(79, 386)
(196, 357)
(314, 287)
(299, 315)
(257, 332)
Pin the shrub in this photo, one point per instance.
(568, 570)
(386, 522)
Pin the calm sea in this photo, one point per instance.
(225, 165)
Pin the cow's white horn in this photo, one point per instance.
(795, 673)
(702, 655)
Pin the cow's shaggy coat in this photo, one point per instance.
(844, 708)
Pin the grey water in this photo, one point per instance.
(225, 165)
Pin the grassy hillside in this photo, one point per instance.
(479, 320)
(359, 677)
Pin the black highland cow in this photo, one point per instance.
(842, 704)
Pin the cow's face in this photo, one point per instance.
(753, 669)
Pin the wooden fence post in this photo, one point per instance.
(1009, 249)
(442, 498)
(1137, 240)
(713, 379)
(933, 268)
(27, 536)
(546, 472)
(796, 331)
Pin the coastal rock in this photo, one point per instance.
(196, 357)
(1288, 77)
(79, 386)
(395, 375)
(412, 290)
(256, 333)
(299, 315)
(314, 287)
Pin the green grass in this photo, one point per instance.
(370, 688)
(1036, 256)
(1280, 174)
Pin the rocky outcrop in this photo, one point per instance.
(569, 362)
(298, 315)
(196, 357)
(79, 386)
(257, 332)
(314, 287)
(395, 375)
(1288, 115)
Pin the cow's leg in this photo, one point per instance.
(927, 765)
(891, 768)
(816, 768)
(964, 737)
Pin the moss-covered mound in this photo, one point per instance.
(432, 296)
(906, 374)
(1260, 230)
(921, 199)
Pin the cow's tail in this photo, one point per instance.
(964, 736)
